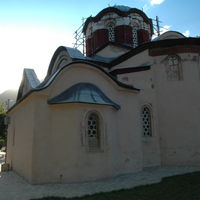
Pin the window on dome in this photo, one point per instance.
(111, 32)
(134, 34)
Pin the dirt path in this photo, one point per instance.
(13, 187)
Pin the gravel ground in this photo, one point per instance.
(13, 187)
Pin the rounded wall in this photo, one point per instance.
(70, 159)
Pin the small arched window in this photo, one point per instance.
(111, 32)
(173, 68)
(146, 121)
(93, 132)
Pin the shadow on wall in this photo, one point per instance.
(2, 157)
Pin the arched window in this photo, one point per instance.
(111, 32)
(146, 121)
(93, 132)
(173, 68)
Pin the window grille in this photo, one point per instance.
(146, 121)
(93, 132)
(135, 37)
(135, 28)
(111, 32)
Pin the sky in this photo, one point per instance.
(31, 30)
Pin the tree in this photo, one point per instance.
(3, 127)
(2, 108)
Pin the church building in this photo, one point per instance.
(130, 103)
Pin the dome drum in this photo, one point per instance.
(123, 34)
(130, 28)
(143, 36)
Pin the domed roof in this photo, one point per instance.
(169, 35)
(122, 8)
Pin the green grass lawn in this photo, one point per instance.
(181, 187)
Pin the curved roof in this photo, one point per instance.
(75, 55)
(47, 82)
(169, 35)
(122, 11)
(50, 79)
(29, 82)
(122, 8)
(83, 93)
(72, 53)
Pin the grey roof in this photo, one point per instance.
(47, 82)
(101, 59)
(83, 93)
(50, 79)
(122, 8)
(169, 35)
(32, 78)
(29, 82)
(74, 53)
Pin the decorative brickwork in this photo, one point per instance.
(143, 36)
(175, 49)
(100, 38)
(89, 46)
(123, 34)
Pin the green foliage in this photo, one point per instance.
(181, 187)
(2, 108)
(3, 127)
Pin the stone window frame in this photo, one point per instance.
(101, 132)
(149, 107)
(173, 68)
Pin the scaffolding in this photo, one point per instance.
(157, 28)
(80, 38)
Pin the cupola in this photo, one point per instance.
(117, 25)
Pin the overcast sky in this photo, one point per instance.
(31, 31)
